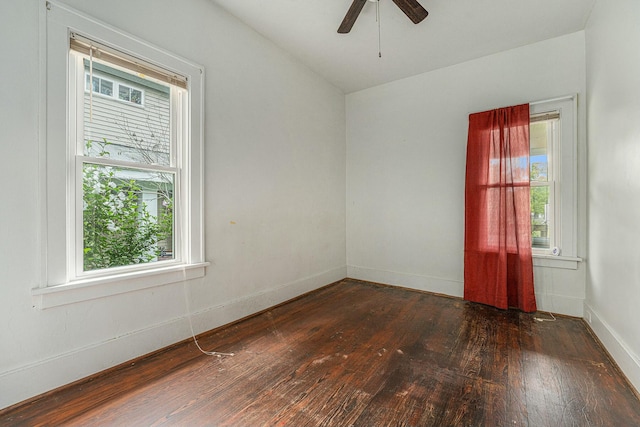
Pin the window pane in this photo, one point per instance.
(127, 216)
(136, 96)
(165, 213)
(540, 217)
(539, 157)
(122, 131)
(123, 93)
(539, 168)
(106, 88)
(96, 84)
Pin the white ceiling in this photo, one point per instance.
(455, 31)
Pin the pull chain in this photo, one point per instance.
(91, 83)
(378, 20)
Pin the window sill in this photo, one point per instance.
(100, 287)
(551, 261)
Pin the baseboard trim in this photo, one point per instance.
(34, 379)
(560, 304)
(240, 308)
(627, 361)
(413, 281)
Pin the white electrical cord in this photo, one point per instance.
(208, 353)
(539, 319)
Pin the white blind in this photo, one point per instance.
(108, 54)
(541, 117)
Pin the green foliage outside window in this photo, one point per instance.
(118, 229)
(539, 200)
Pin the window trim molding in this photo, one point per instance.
(566, 217)
(57, 22)
(552, 261)
(100, 287)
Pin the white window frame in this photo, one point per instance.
(60, 283)
(564, 250)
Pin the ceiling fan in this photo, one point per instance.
(411, 8)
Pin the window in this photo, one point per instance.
(109, 88)
(122, 204)
(101, 86)
(544, 136)
(553, 178)
(130, 94)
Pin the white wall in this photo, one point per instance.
(274, 196)
(406, 153)
(613, 277)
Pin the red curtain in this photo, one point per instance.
(498, 268)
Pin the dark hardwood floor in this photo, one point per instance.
(360, 354)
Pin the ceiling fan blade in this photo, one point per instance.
(412, 9)
(351, 16)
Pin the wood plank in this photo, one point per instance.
(360, 354)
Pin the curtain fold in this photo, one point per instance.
(498, 266)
